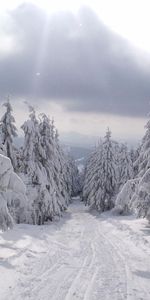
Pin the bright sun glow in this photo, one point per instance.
(128, 18)
(51, 6)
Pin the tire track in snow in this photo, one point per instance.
(72, 292)
(118, 262)
(135, 290)
(80, 264)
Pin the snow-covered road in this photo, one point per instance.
(83, 256)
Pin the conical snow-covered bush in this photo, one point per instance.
(124, 201)
(13, 201)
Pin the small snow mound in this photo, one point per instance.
(125, 197)
(12, 193)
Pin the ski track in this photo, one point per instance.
(81, 257)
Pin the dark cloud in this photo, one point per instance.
(76, 60)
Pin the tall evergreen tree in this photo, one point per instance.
(90, 184)
(52, 160)
(44, 166)
(125, 165)
(108, 173)
(142, 163)
(135, 194)
(75, 178)
(101, 182)
(8, 132)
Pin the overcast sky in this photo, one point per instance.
(86, 65)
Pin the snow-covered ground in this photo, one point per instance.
(82, 256)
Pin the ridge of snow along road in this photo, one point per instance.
(83, 256)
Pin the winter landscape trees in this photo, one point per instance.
(108, 168)
(48, 175)
(101, 181)
(37, 183)
(135, 195)
(116, 176)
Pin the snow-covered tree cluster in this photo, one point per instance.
(75, 179)
(108, 168)
(118, 177)
(135, 195)
(38, 180)
(50, 177)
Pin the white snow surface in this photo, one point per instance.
(82, 256)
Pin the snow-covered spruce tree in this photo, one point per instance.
(141, 199)
(35, 175)
(108, 173)
(102, 183)
(54, 162)
(138, 199)
(74, 176)
(125, 166)
(90, 185)
(43, 169)
(124, 201)
(8, 132)
(65, 172)
(30, 128)
(142, 163)
(135, 196)
(133, 154)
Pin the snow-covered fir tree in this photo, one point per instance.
(133, 154)
(142, 166)
(135, 194)
(108, 172)
(125, 165)
(8, 132)
(142, 163)
(75, 178)
(91, 171)
(101, 182)
(44, 168)
(54, 161)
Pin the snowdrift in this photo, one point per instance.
(135, 197)
(12, 195)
